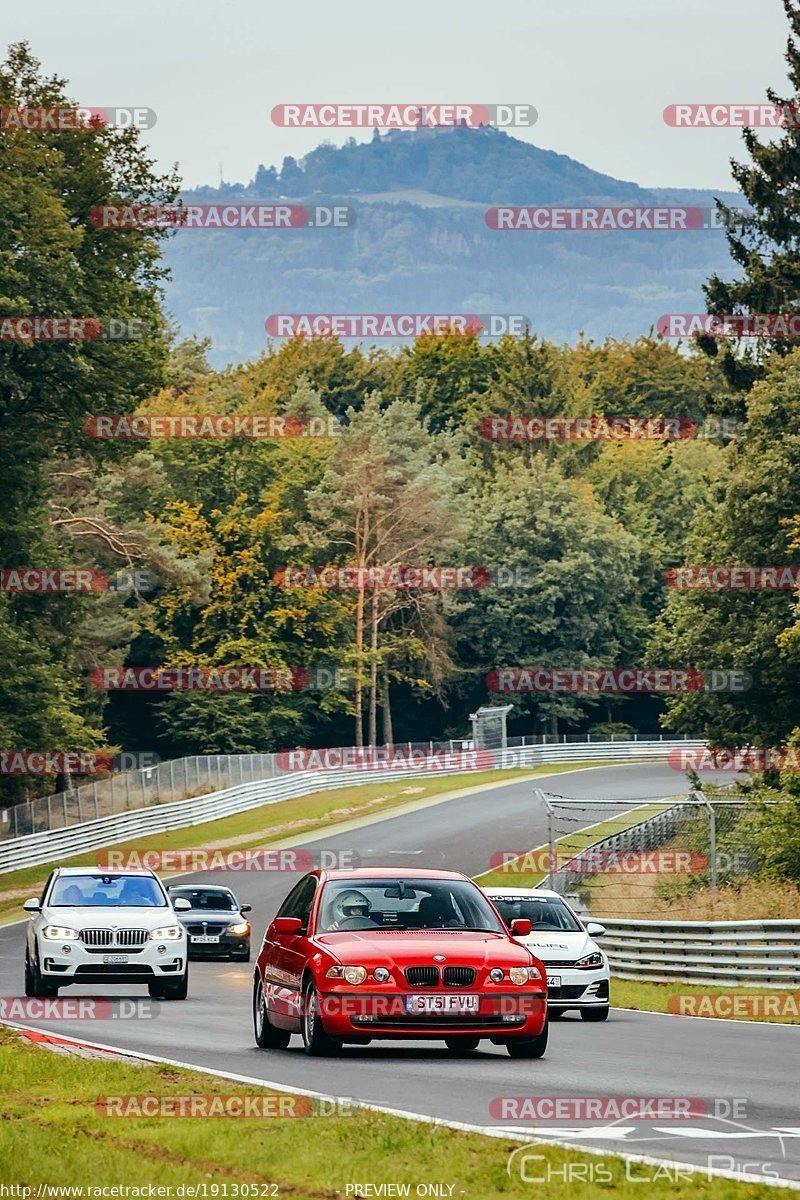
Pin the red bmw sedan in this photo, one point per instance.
(381, 953)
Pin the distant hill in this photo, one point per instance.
(421, 244)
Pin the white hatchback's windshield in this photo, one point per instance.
(543, 912)
(106, 891)
(417, 904)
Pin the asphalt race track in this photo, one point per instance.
(633, 1054)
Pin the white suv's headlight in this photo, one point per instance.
(169, 933)
(60, 933)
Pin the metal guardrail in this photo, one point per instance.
(743, 953)
(56, 844)
(180, 778)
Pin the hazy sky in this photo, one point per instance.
(600, 72)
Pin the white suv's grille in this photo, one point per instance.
(114, 937)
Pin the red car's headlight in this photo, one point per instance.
(349, 974)
(522, 975)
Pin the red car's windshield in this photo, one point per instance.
(418, 904)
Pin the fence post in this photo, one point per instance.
(540, 796)
(712, 843)
(172, 779)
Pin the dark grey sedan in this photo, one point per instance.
(216, 923)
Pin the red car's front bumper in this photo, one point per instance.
(360, 1014)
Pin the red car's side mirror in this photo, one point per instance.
(287, 924)
(521, 927)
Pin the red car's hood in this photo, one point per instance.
(401, 949)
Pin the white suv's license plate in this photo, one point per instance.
(554, 981)
(115, 958)
(442, 1005)
(204, 938)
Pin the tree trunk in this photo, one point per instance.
(373, 672)
(358, 695)
(388, 732)
(554, 725)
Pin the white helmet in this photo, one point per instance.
(350, 904)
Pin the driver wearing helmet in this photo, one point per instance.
(351, 910)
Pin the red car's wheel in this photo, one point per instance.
(267, 1036)
(315, 1040)
(528, 1047)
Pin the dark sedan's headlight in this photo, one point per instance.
(239, 928)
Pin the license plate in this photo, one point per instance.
(205, 938)
(442, 1005)
(115, 958)
(554, 981)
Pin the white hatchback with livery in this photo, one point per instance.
(578, 975)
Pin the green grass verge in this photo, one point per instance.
(53, 1135)
(524, 871)
(635, 993)
(288, 820)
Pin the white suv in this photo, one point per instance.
(97, 926)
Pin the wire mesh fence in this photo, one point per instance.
(652, 859)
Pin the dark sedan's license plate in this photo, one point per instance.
(440, 1006)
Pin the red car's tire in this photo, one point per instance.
(315, 1040)
(528, 1047)
(266, 1034)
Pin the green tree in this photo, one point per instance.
(765, 242)
(748, 521)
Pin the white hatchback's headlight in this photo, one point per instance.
(169, 933)
(591, 960)
(60, 933)
(350, 974)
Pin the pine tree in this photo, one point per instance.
(765, 242)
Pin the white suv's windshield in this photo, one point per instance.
(105, 891)
(417, 904)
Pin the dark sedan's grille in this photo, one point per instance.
(197, 927)
(459, 976)
(129, 938)
(422, 976)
